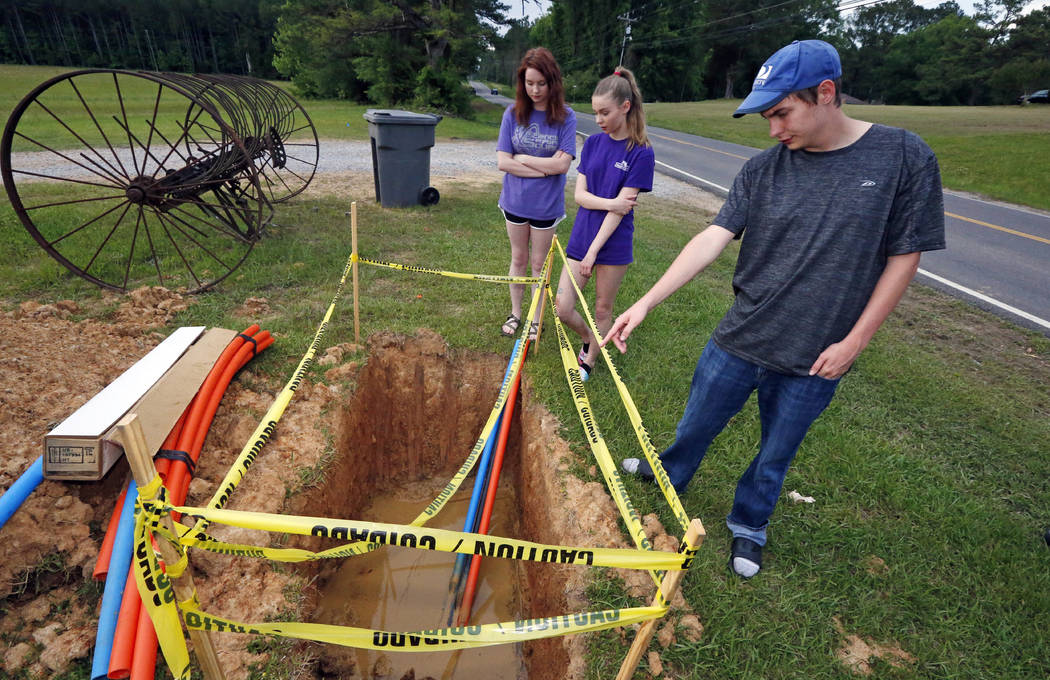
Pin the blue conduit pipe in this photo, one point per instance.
(477, 497)
(20, 490)
(119, 563)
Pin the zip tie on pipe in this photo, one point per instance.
(183, 456)
(255, 345)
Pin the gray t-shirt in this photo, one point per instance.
(816, 230)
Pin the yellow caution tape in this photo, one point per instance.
(594, 437)
(489, 278)
(408, 536)
(632, 412)
(458, 637)
(160, 599)
(156, 589)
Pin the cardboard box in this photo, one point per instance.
(158, 388)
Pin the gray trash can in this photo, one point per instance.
(401, 142)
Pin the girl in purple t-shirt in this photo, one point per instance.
(614, 167)
(537, 142)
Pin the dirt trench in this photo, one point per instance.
(417, 410)
(424, 402)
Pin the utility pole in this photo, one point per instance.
(628, 20)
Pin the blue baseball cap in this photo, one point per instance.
(802, 64)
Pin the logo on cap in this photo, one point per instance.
(763, 74)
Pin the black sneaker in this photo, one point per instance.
(638, 466)
(746, 557)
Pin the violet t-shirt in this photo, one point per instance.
(609, 167)
(538, 198)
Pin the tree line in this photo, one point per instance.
(417, 52)
(894, 51)
(194, 36)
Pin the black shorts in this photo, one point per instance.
(536, 224)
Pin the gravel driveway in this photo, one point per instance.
(456, 159)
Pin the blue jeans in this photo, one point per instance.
(787, 406)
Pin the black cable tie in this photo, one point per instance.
(255, 345)
(172, 454)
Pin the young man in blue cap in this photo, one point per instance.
(832, 221)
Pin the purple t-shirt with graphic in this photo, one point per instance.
(538, 198)
(609, 167)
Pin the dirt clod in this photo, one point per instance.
(656, 667)
(857, 653)
(16, 657)
(383, 667)
(665, 636)
(692, 629)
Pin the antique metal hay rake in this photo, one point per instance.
(131, 177)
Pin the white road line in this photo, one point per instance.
(698, 179)
(990, 300)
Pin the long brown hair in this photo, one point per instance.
(622, 87)
(541, 59)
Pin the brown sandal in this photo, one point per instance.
(513, 323)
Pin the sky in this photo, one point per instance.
(534, 9)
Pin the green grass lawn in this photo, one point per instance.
(930, 468)
(1002, 152)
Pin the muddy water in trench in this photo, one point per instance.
(400, 589)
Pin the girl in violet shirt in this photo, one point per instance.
(537, 142)
(614, 167)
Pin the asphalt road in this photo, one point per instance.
(998, 255)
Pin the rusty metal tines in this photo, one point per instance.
(133, 177)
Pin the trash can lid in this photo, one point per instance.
(399, 117)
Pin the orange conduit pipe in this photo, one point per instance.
(194, 441)
(124, 635)
(144, 663)
(141, 661)
(102, 563)
(490, 496)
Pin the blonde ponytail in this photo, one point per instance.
(622, 87)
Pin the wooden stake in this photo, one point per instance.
(353, 249)
(693, 536)
(543, 303)
(142, 468)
